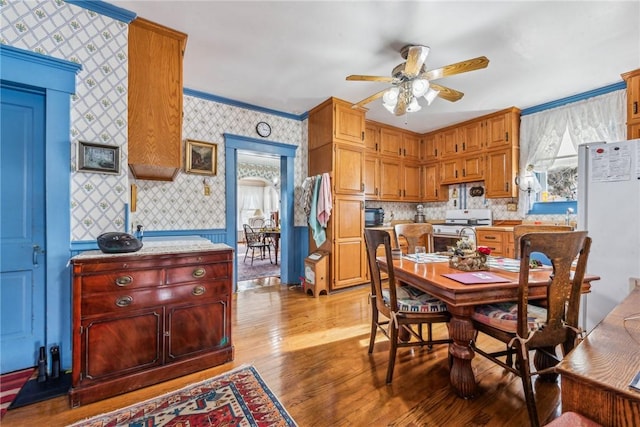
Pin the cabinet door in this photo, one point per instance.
(411, 147)
(349, 250)
(430, 147)
(349, 123)
(499, 132)
(449, 142)
(449, 171)
(390, 142)
(371, 177)
(411, 182)
(500, 172)
(390, 179)
(120, 344)
(472, 136)
(155, 100)
(198, 328)
(633, 97)
(633, 131)
(431, 189)
(471, 168)
(348, 173)
(372, 138)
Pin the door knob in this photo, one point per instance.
(36, 251)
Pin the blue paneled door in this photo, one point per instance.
(22, 222)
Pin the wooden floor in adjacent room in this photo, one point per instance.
(312, 353)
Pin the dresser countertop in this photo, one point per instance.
(160, 248)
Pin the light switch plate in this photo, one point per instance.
(512, 207)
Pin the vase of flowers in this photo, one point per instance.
(467, 257)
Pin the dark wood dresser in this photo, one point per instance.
(149, 316)
(596, 374)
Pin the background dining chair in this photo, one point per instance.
(520, 230)
(403, 307)
(525, 327)
(416, 234)
(255, 241)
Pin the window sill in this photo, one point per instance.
(553, 208)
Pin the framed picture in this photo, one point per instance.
(201, 157)
(98, 158)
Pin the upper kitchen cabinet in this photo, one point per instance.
(430, 146)
(633, 103)
(390, 142)
(501, 170)
(502, 128)
(411, 146)
(372, 138)
(335, 121)
(155, 100)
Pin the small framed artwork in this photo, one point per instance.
(201, 157)
(98, 158)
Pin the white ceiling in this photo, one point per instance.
(290, 56)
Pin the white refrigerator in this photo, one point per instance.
(609, 209)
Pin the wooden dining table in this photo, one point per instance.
(461, 299)
(275, 235)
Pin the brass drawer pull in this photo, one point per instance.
(124, 280)
(124, 301)
(198, 290)
(198, 273)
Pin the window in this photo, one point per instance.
(549, 139)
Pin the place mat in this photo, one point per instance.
(429, 257)
(476, 277)
(508, 264)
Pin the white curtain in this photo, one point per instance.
(600, 118)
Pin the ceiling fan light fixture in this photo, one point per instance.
(390, 97)
(430, 95)
(419, 87)
(413, 106)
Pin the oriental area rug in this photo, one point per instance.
(236, 398)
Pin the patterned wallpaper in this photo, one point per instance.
(99, 107)
(99, 114)
(182, 204)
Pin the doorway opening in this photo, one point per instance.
(258, 216)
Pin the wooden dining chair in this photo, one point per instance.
(520, 230)
(416, 234)
(525, 327)
(255, 242)
(404, 309)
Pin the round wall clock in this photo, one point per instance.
(263, 129)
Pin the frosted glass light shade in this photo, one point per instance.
(419, 87)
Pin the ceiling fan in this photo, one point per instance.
(411, 81)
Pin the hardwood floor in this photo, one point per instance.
(312, 352)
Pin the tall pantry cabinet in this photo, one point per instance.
(336, 146)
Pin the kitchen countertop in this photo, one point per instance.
(508, 228)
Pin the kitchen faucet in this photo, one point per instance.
(568, 215)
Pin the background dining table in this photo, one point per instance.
(461, 300)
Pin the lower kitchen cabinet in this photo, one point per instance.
(146, 317)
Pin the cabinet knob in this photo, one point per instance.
(124, 280)
(124, 301)
(198, 290)
(198, 273)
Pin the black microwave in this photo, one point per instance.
(373, 217)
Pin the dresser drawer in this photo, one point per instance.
(198, 272)
(113, 281)
(117, 302)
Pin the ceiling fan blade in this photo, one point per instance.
(457, 68)
(369, 99)
(447, 93)
(401, 106)
(416, 55)
(359, 77)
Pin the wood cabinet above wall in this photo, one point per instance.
(633, 103)
(155, 100)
